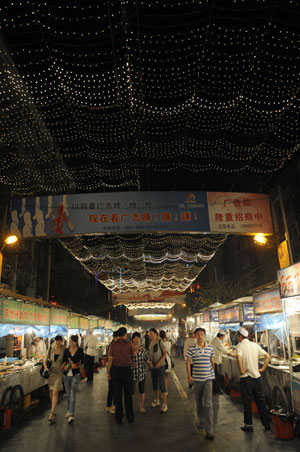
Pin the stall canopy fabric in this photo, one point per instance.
(19, 330)
(275, 322)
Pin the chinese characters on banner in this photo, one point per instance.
(229, 315)
(206, 316)
(58, 215)
(248, 312)
(266, 302)
(16, 312)
(214, 315)
(289, 281)
(239, 213)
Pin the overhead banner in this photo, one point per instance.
(206, 317)
(248, 312)
(59, 317)
(214, 315)
(234, 213)
(155, 298)
(289, 281)
(266, 302)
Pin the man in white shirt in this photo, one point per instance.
(220, 350)
(38, 350)
(250, 378)
(90, 350)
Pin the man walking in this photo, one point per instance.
(201, 355)
(120, 356)
(250, 378)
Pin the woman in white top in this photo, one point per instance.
(167, 345)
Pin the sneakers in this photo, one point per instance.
(155, 403)
(209, 436)
(111, 409)
(247, 428)
(71, 419)
(67, 414)
(164, 408)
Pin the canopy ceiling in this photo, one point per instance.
(147, 95)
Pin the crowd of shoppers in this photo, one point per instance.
(129, 360)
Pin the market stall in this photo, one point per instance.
(289, 287)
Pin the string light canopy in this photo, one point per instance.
(122, 263)
(147, 94)
(134, 306)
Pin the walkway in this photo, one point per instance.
(175, 431)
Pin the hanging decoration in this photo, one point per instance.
(139, 95)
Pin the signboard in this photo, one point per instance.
(267, 302)
(214, 315)
(206, 317)
(91, 213)
(243, 213)
(59, 317)
(295, 389)
(19, 313)
(93, 323)
(248, 312)
(289, 281)
(84, 323)
(229, 315)
(108, 324)
(283, 254)
(101, 323)
(73, 322)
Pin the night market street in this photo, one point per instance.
(175, 431)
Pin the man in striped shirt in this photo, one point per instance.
(201, 355)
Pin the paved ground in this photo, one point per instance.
(175, 431)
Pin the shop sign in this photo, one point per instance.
(283, 254)
(214, 315)
(108, 324)
(0, 309)
(73, 322)
(101, 323)
(93, 323)
(84, 323)
(248, 312)
(289, 281)
(295, 389)
(19, 313)
(229, 315)
(59, 317)
(206, 317)
(234, 213)
(266, 302)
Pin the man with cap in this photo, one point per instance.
(219, 349)
(250, 377)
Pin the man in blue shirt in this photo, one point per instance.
(201, 355)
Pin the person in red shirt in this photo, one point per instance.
(120, 357)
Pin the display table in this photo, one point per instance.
(272, 377)
(28, 376)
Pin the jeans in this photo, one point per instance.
(216, 381)
(203, 398)
(159, 375)
(252, 388)
(71, 386)
(89, 367)
(122, 382)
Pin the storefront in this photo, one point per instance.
(289, 287)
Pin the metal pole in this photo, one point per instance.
(285, 224)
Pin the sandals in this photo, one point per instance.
(51, 417)
(142, 410)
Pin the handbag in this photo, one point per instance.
(43, 372)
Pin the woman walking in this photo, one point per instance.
(138, 368)
(73, 356)
(157, 357)
(55, 355)
(167, 344)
